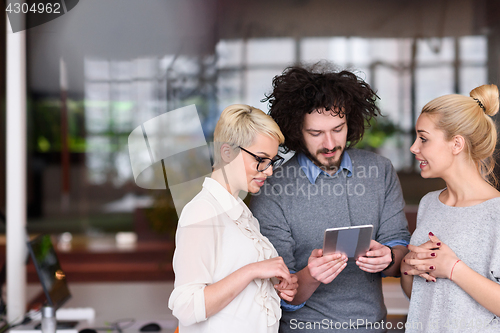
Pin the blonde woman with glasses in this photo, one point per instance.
(228, 277)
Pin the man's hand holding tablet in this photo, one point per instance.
(340, 245)
(325, 268)
(378, 258)
(356, 243)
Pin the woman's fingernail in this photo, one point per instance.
(438, 244)
(432, 267)
(404, 260)
(405, 273)
(433, 254)
(407, 245)
(434, 280)
(426, 280)
(431, 234)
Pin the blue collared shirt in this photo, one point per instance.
(312, 171)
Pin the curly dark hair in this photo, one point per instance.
(300, 90)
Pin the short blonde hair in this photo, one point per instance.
(239, 124)
(470, 117)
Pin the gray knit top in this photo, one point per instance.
(473, 233)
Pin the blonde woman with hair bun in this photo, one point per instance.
(228, 277)
(452, 272)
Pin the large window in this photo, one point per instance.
(128, 62)
(399, 69)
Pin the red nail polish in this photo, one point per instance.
(405, 273)
(438, 244)
(433, 254)
(431, 234)
(426, 280)
(404, 260)
(432, 267)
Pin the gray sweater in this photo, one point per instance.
(293, 214)
(473, 233)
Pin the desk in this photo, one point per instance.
(112, 301)
(395, 300)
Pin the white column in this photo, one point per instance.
(16, 175)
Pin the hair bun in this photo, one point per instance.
(487, 98)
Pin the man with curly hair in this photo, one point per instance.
(326, 184)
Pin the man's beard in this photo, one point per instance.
(332, 164)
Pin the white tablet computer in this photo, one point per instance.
(352, 241)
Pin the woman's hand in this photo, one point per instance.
(430, 263)
(219, 294)
(274, 267)
(445, 260)
(287, 291)
(413, 264)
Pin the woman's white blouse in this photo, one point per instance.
(216, 235)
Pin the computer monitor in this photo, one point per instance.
(49, 271)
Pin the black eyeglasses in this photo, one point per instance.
(265, 162)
